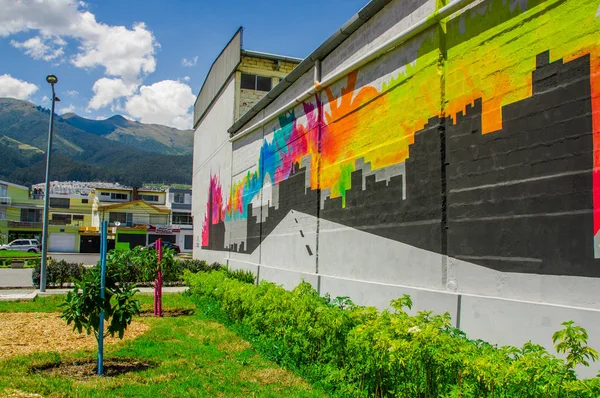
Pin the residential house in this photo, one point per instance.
(69, 215)
(180, 202)
(136, 217)
(20, 213)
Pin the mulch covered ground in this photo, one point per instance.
(22, 333)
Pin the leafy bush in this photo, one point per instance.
(140, 265)
(198, 266)
(360, 351)
(32, 263)
(58, 273)
(242, 275)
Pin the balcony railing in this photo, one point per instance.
(24, 224)
(5, 201)
(66, 223)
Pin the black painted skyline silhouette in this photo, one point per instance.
(517, 200)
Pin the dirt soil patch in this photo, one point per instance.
(169, 313)
(22, 333)
(85, 370)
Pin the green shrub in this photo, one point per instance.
(32, 263)
(360, 351)
(58, 273)
(198, 266)
(242, 275)
(140, 265)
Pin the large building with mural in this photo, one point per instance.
(450, 151)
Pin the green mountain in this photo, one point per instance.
(85, 149)
(148, 137)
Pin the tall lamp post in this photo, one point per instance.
(52, 80)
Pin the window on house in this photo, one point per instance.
(118, 196)
(59, 203)
(182, 218)
(84, 200)
(120, 217)
(105, 194)
(31, 215)
(263, 83)
(61, 219)
(2, 213)
(253, 82)
(159, 219)
(3, 191)
(149, 198)
(179, 198)
(77, 217)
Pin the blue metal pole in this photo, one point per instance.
(103, 247)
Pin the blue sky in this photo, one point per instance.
(127, 56)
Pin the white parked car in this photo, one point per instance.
(24, 245)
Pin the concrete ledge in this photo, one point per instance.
(234, 264)
(18, 295)
(143, 290)
(380, 294)
(288, 279)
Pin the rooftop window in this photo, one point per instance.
(254, 82)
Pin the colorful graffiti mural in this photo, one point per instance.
(497, 55)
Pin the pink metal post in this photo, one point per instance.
(158, 282)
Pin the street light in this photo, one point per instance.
(52, 80)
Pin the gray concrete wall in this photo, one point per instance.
(212, 157)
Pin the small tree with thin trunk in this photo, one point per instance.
(83, 305)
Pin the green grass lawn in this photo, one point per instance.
(191, 356)
(17, 253)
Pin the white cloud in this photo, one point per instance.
(15, 88)
(42, 48)
(66, 109)
(72, 93)
(166, 102)
(187, 62)
(185, 78)
(106, 91)
(122, 52)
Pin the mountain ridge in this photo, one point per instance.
(91, 153)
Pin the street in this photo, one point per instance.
(18, 278)
(81, 258)
(21, 278)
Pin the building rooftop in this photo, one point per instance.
(359, 19)
(65, 187)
